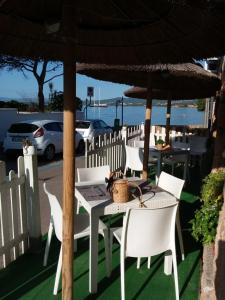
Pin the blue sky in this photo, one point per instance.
(14, 85)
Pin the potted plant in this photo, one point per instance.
(159, 144)
(204, 224)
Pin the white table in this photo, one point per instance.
(159, 154)
(97, 202)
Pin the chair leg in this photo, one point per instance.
(50, 231)
(173, 165)
(75, 245)
(180, 234)
(122, 277)
(58, 273)
(78, 207)
(138, 262)
(149, 262)
(175, 274)
(107, 252)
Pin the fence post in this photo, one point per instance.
(142, 128)
(124, 133)
(32, 198)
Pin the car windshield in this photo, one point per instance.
(22, 128)
(82, 124)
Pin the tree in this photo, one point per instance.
(201, 104)
(219, 125)
(56, 100)
(39, 68)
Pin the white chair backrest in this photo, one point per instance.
(152, 140)
(134, 158)
(181, 145)
(139, 144)
(56, 213)
(90, 174)
(198, 143)
(171, 184)
(147, 232)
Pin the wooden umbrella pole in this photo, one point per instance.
(148, 114)
(68, 178)
(168, 115)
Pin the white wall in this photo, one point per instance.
(7, 117)
(11, 115)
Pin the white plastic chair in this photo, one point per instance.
(145, 233)
(174, 186)
(92, 174)
(81, 229)
(134, 159)
(140, 144)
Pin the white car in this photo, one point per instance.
(45, 135)
(92, 128)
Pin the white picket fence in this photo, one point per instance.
(110, 150)
(105, 150)
(13, 214)
(20, 223)
(158, 132)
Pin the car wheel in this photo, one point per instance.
(49, 152)
(81, 147)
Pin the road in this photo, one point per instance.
(51, 173)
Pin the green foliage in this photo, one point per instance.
(56, 101)
(159, 142)
(14, 104)
(205, 222)
(201, 104)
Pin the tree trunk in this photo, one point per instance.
(219, 148)
(41, 97)
(148, 114)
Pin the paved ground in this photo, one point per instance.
(52, 174)
(49, 172)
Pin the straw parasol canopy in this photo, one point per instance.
(167, 77)
(209, 91)
(116, 32)
(188, 76)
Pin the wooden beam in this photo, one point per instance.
(147, 130)
(168, 116)
(68, 178)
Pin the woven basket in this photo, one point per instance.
(120, 190)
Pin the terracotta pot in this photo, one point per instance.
(159, 146)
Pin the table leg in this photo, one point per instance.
(159, 165)
(168, 263)
(93, 253)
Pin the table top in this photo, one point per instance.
(94, 196)
(169, 151)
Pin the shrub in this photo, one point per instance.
(205, 222)
(159, 142)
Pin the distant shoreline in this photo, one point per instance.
(159, 105)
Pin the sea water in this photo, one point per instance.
(133, 115)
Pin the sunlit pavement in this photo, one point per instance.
(52, 173)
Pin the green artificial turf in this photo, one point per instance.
(27, 279)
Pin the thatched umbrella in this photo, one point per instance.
(116, 32)
(210, 89)
(160, 76)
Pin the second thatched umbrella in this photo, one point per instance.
(176, 94)
(166, 77)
